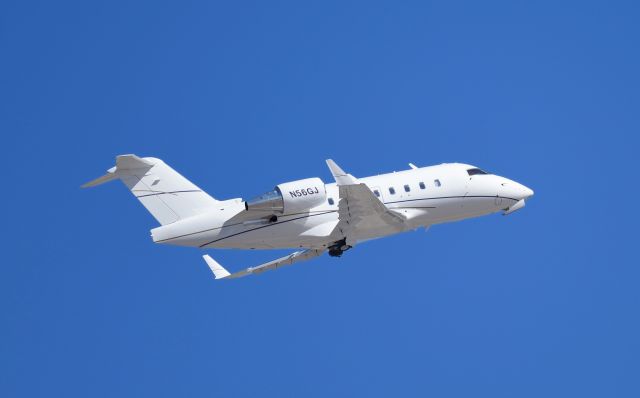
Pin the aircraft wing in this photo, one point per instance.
(221, 273)
(358, 207)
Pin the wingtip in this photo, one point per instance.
(219, 272)
(335, 169)
(341, 176)
(332, 165)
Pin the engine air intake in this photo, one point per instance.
(290, 197)
(270, 202)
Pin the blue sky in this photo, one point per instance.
(240, 96)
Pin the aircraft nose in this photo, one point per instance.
(528, 192)
(517, 191)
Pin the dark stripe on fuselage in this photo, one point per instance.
(332, 211)
(450, 197)
(268, 225)
(232, 225)
(155, 193)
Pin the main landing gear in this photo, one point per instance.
(338, 248)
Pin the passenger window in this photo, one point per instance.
(406, 188)
(422, 186)
(392, 191)
(331, 201)
(375, 192)
(437, 183)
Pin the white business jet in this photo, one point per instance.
(309, 214)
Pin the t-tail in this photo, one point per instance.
(167, 195)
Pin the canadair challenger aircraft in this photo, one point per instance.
(310, 214)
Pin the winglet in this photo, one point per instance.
(218, 270)
(342, 178)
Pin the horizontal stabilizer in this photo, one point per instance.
(101, 180)
(164, 192)
(123, 162)
(131, 162)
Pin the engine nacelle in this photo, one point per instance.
(290, 197)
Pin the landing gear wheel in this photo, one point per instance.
(338, 248)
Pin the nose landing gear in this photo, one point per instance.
(338, 248)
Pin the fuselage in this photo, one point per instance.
(425, 196)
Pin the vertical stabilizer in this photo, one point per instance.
(164, 192)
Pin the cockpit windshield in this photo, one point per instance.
(475, 172)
